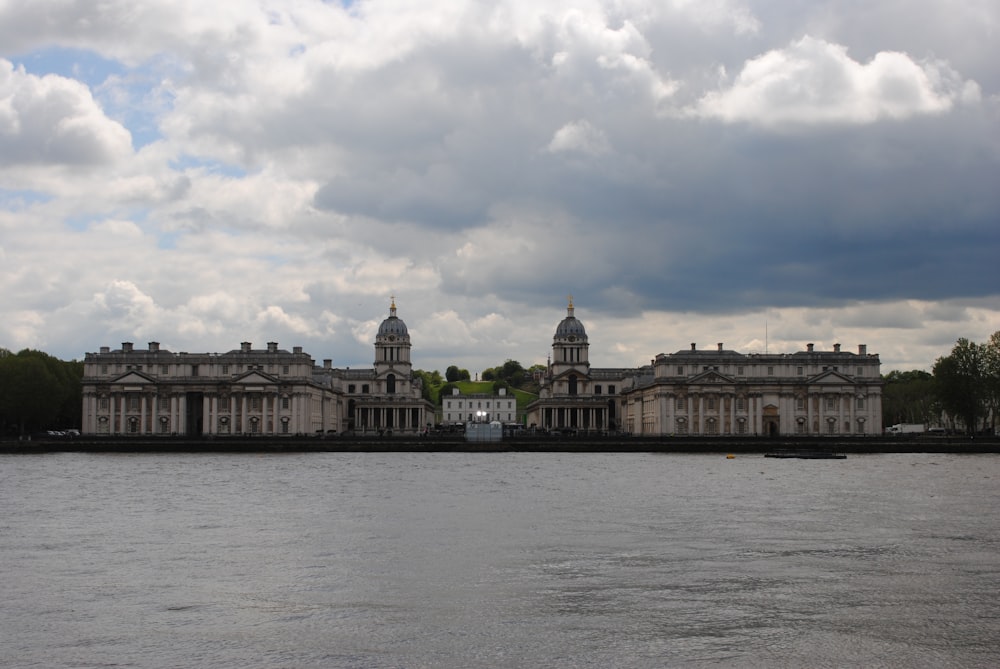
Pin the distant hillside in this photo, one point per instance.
(485, 387)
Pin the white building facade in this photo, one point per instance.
(714, 392)
(138, 392)
(720, 392)
(458, 408)
(152, 391)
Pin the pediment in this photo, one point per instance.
(134, 378)
(710, 377)
(830, 377)
(254, 378)
(579, 374)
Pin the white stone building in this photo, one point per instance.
(247, 391)
(722, 392)
(458, 408)
(387, 398)
(572, 395)
(143, 392)
(709, 392)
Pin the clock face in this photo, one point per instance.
(572, 337)
(392, 337)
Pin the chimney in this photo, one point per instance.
(105, 349)
(836, 348)
(154, 346)
(272, 347)
(862, 349)
(245, 346)
(126, 347)
(297, 350)
(809, 347)
(327, 363)
(720, 346)
(694, 346)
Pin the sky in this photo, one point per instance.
(758, 174)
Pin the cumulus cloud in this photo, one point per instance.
(579, 136)
(54, 120)
(815, 81)
(300, 162)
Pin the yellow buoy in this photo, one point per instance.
(730, 456)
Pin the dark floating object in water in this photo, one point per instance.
(807, 455)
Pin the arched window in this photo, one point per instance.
(390, 384)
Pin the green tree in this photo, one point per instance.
(961, 384)
(34, 390)
(909, 397)
(992, 365)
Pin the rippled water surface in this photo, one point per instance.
(499, 560)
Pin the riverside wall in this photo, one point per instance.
(454, 443)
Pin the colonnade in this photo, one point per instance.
(575, 417)
(792, 413)
(249, 412)
(405, 418)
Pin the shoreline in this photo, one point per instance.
(404, 444)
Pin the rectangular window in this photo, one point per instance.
(364, 389)
(861, 402)
(133, 402)
(164, 369)
(164, 404)
(739, 370)
(861, 371)
(800, 404)
(285, 402)
(770, 371)
(798, 370)
(710, 404)
(103, 403)
(104, 369)
(194, 370)
(255, 402)
(680, 371)
(284, 369)
(741, 404)
(611, 390)
(350, 388)
(225, 369)
(681, 403)
(831, 403)
(597, 389)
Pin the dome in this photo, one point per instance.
(570, 326)
(392, 325)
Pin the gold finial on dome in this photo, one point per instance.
(569, 309)
(392, 306)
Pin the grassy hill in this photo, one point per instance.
(486, 388)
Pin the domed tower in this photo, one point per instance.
(570, 348)
(392, 347)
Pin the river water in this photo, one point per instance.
(498, 560)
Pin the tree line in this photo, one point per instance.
(38, 392)
(962, 391)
